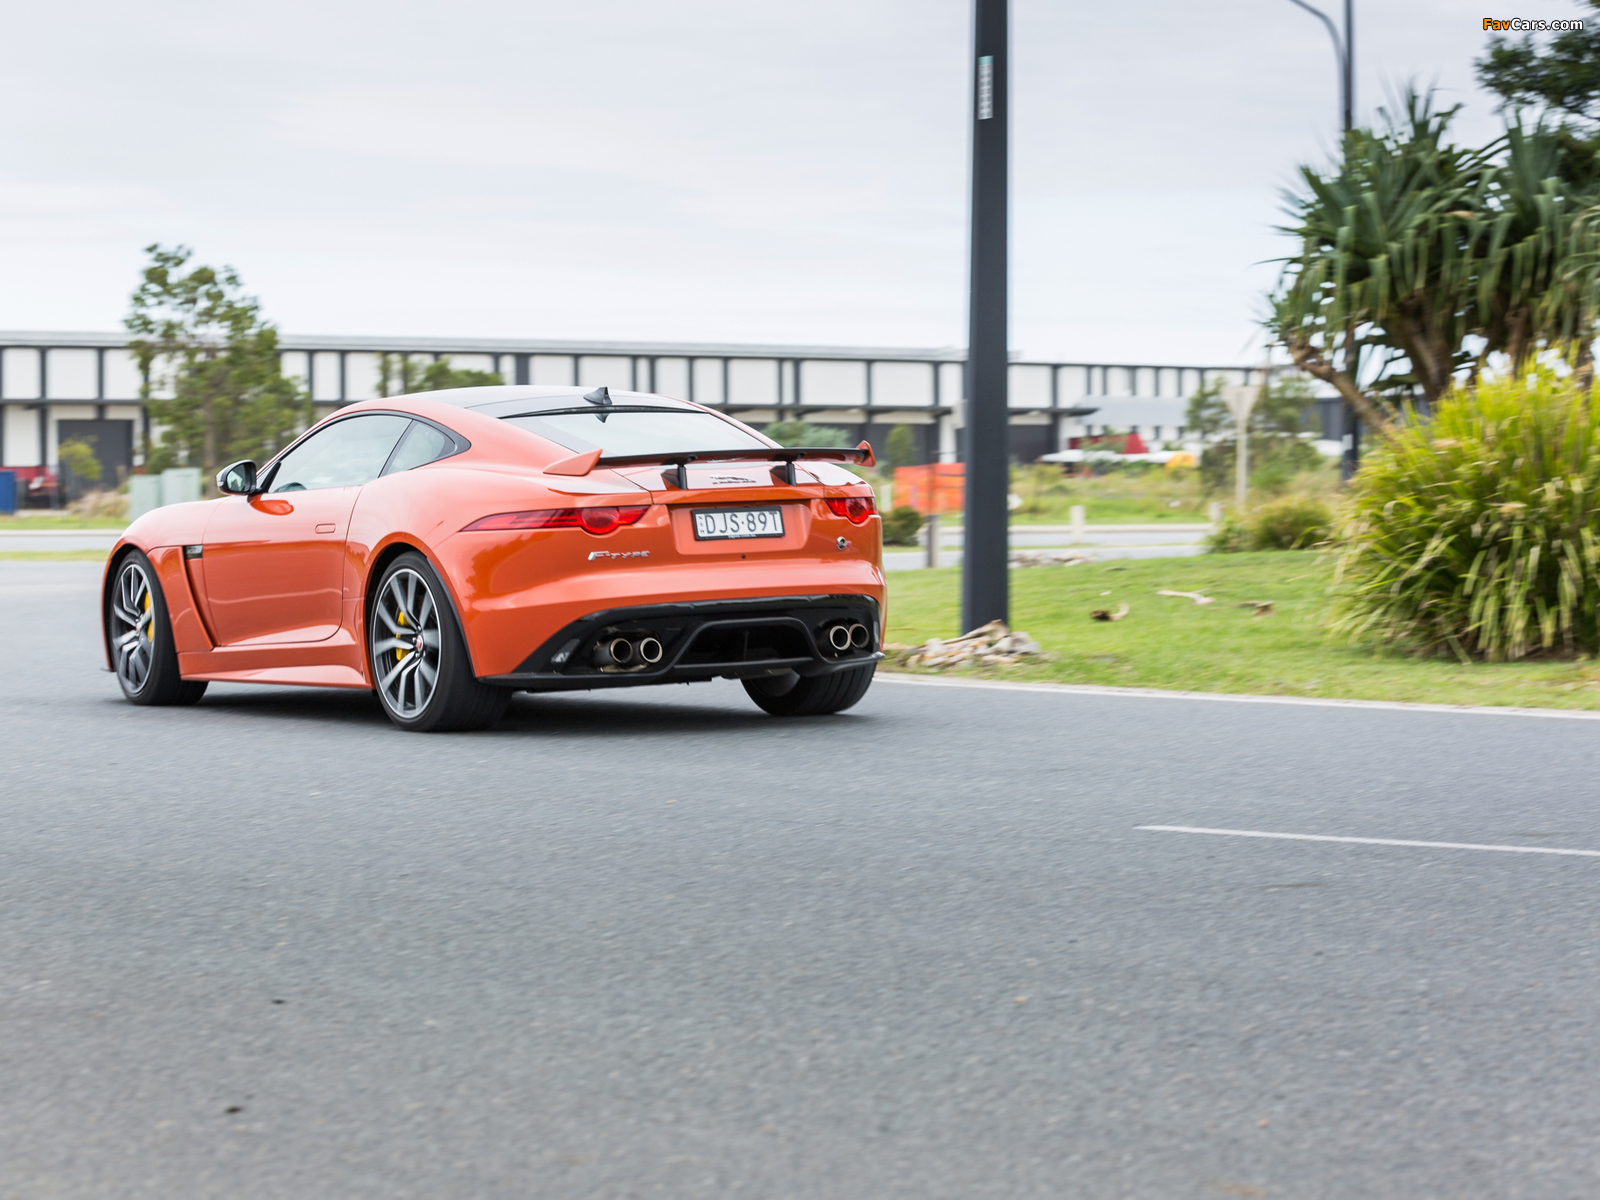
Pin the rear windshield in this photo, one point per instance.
(619, 431)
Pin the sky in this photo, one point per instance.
(687, 170)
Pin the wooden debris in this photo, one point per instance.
(989, 645)
(1048, 558)
(1195, 596)
(1101, 614)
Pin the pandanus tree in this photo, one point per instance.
(1420, 262)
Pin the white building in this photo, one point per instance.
(55, 386)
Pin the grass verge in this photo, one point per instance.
(1169, 642)
(53, 555)
(12, 524)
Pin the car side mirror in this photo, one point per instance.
(238, 479)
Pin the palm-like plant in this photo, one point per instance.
(1419, 260)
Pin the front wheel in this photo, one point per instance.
(140, 636)
(793, 695)
(420, 666)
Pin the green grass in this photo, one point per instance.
(56, 521)
(53, 555)
(1169, 642)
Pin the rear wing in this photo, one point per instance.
(582, 464)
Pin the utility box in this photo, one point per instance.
(180, 485)
(144, 494)
(8, 492)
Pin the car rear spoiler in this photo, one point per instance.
(582, 464)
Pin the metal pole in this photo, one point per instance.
(985, 587)
(1349, 57)
(1340, 52)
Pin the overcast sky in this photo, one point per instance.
(694, 170)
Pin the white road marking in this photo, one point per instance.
(1090, 689)
(1364, 841)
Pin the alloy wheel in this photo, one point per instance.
(133, 627)
(405, 643)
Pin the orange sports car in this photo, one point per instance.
(446, 550)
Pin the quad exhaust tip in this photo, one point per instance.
(624, 652)
(843, 637)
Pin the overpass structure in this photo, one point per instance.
(55, 386)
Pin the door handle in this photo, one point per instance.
(329, 528)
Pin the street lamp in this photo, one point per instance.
(985, 589)
(1343, 51)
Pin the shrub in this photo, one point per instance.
(1290, 524)
(1231, 536)
(900, 526)
(1476, 532)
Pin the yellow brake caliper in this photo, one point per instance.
(149, 626)
(400, 652)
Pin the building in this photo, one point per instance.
(55, 386)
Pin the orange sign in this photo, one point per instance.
(934, 489)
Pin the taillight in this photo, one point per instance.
(602, 519)
(856, 508)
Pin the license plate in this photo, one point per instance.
(711, 524)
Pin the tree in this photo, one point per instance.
(1207, 415)
(1420, 260)
(407, 377)
(78, 462)
(803, 434)
(901, 449)
(1285, 407)
(198, 337)
(1564, 76)
(1277, 451)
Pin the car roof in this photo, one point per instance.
(513, 399)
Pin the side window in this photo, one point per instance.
(345, 454)
(421, 444)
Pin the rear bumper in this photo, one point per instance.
(703, 639)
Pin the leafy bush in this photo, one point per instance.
(1290, 524)
(1477, 532)
(900, 526)
(1231, 536)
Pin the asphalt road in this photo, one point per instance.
(659, 944)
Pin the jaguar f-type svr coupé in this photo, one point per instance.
(448, 549)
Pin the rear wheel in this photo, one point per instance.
(420, 666)
(793, 695)
(140, 636)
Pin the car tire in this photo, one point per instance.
(139, 634)
(794, 695)
(420, 666)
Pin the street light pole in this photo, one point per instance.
(1344, 52)
(985, 592)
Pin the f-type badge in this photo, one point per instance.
(594, 554)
